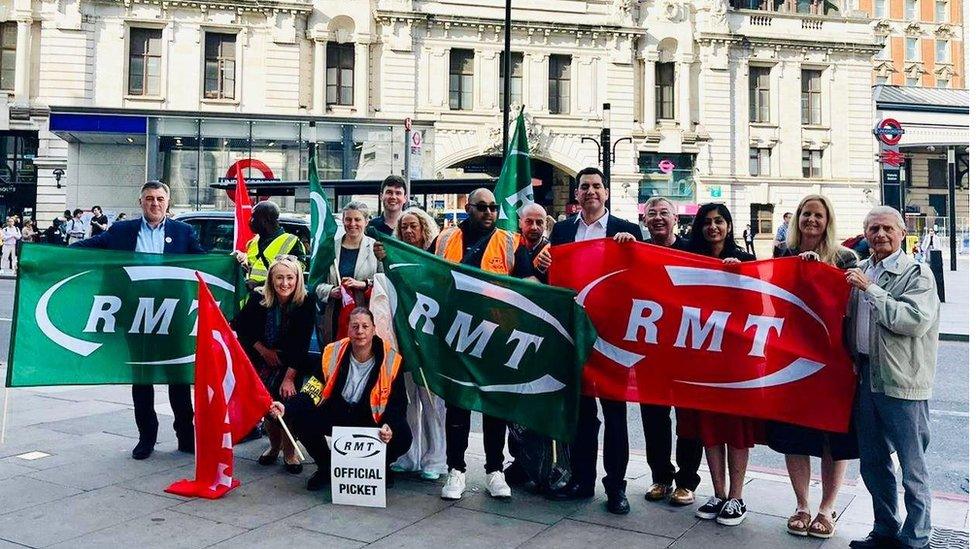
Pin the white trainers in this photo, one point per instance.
(497, 487)
(454, 487)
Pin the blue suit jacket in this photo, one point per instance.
(121, 235)
(565, 231)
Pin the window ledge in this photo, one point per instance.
(815, 127)
(220, 101)
(146, 98)
(763, 125)
(341, 109)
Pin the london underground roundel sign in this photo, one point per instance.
(889, 131)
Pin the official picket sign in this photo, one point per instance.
(358, 467)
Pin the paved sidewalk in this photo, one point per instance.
(85, 491)
(954, 317)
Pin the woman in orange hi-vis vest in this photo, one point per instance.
(360, 385)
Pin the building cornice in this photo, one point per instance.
(239, 6)
(792, 44)
(497, 26)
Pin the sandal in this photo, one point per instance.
(823, 527)
(799, 523)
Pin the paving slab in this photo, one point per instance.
(572, 533)
(22, 492)
(60, 520)
(161, 529)
(283, 536)
(369, 524)
(522, 505)
(9, 470)
(655, 518)
(57, 411)
(776, 498)
(757, 530)
(114, 468)
(461, 528)
(72, 449)
(257, 503)
(118, 422)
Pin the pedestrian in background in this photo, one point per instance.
(676, 485)
(749, 238)
(727, 438)
(11, 236)
(154, 233)
(269, 241)
(29, 232)
(98, 222)
(780, 242)
(893, 333)
(75, 227)
(274, 328)
(812, 236)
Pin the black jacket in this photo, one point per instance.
(565, 231)
(292, 342)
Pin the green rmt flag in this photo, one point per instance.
(509, 348)
(323, 228)
(514, 187)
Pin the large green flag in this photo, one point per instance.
(324, 229)
(514, 187)
(510, 348)
(86, 316)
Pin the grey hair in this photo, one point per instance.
(655, 200)
(531, 205)
(879, 211)
(358, 206)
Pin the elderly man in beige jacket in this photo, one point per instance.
(893, 333)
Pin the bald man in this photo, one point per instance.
(532, 227)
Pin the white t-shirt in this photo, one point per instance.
(356, 380)
(10, 236)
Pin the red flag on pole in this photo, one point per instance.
(242, 214)
(229, 399)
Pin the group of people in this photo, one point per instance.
(891, 328)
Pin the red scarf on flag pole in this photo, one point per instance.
(242, 214)
(229, 399)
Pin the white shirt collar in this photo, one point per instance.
(602, 221)
(888, 262)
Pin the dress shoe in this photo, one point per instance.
(572, 490)
(682, 496)
(658, 491)
(143, 450)
(617, 502)
(294, 468)
(268, 458)
(874, 541)
(318, 480)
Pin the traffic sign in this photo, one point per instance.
(666, 166)
(889, 131)
(892, 157)
(408, 124)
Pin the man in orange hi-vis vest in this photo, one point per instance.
(360, 385)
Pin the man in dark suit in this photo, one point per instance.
(154, 233)
(594, 222)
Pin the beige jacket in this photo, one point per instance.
(904, 335)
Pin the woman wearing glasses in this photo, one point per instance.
(351, 276)
(274, 328)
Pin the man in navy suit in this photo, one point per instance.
(154, 233)
(594, 222)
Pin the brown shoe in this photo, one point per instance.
(657, 492)
(682, 496)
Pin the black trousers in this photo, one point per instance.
(311, 425)
(616, 448)
(148, 424)
(657, 437)
(459, 427)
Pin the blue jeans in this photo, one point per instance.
(885, 425)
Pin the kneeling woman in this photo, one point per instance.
(360, 386)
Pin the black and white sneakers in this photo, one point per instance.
(730, 512)
(711, 508)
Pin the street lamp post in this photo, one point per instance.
(506, 80)
(604, 149)
(951, 175)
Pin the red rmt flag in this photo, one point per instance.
(242, 214)
(229, 399)
(756, 339)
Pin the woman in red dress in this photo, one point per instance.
(726, 438)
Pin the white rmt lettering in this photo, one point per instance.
(643, 314)
(461, 336)
(194, 305)
(427, 308)
(524, 341)
(103, 308)
(691, 325)
(763, 325)
(151, 319)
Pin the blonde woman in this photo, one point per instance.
(274, 328)
(426, 412)
(353, 270)
(812, 235)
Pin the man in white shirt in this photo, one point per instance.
(11, 234)
(76, 227)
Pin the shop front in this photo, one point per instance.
(18, 176)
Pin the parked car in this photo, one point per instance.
(216, 229)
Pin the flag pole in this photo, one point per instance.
(281, 420)
(430, 397)
(3, 418)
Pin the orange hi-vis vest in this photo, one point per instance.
(332, 356)
(499, 253)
